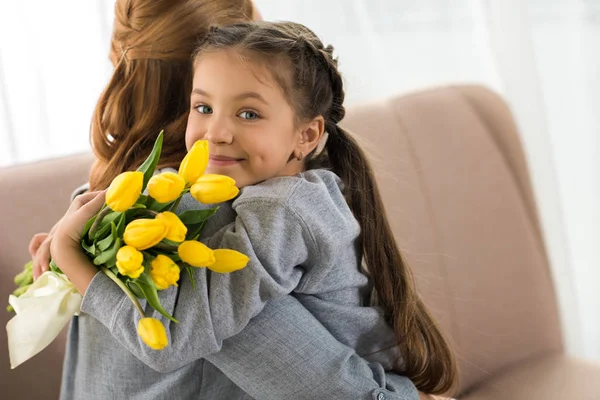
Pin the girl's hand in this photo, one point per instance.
(65, 245)
(39, 249)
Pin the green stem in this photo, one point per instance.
(176, 204)
(151, 213)
(103, 213)
(165, 247)
(124, 287)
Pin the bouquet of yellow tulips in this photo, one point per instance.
(139, 242)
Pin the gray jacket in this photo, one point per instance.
(269, 350)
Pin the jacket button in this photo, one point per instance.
(381, 396)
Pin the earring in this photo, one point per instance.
(300, 156)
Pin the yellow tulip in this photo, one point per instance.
(213, 189)
(153, 333)
(124, 190)
(144, 233)
(176, 230)
(164, 272)
(195, 162)
(165, 187)
(195, 253)
(227, 260)
(130, 262)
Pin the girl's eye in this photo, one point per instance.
(249, 115)
(203, 109)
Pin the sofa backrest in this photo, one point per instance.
(455, 185)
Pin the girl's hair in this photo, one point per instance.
(308, 74)
(151, 49)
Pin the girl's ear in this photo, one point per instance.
(310, 135)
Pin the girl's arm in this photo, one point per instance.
(207, 316)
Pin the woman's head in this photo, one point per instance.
(263, 95)
(151, 48)
(283, 78)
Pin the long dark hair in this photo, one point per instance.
(309, 77)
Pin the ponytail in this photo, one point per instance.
(427, 357)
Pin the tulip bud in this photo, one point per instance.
(124, 190)
(153, 333)
(144, 233)
(165, 187)
(164, 272)
(214, 189)
(21, 290)
(24, 277)
(195, 162)
(227, 260)
(130, 262)
(195, 253)
(176, 230)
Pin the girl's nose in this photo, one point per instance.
(219, 132)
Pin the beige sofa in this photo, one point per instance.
(455, 183)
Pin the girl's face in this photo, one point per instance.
(240, 109)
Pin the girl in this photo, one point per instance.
(159, 82)
(263, 95)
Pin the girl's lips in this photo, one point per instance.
(223, 160)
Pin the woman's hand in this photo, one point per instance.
(65, 245)
(39, 249)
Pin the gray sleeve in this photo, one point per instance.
(80, 190)
(209, 316)
(284, 352)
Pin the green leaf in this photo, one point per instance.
(107, 241)
(88, 225)
(152, 204)
(54, 267)
(101, 232)
(190, 271)
(194, 231)
(171, 243)
(109, 256)
(121, 225)
(151, 294)
(90, 248)
(135, 289)
(143, 200)
(151, 162)
(193, 217)
(110, 217)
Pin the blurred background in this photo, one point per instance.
(542, 56)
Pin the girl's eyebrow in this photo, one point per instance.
(252, 95)
(246, 95)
